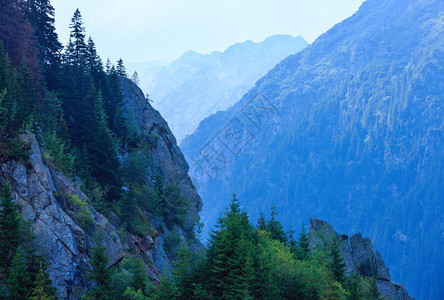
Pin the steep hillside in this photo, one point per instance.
(66, 229)
(350, 129)
(198, 85)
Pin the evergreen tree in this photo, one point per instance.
(228, 254)
(8, 89)
(337, 264)
(17, 36)
(40, 14)
(108, 66)
(120, 69)
(77, 47)
(19, 281)
(182, 273)
(17, 99)
(41, 286)
(93, 61)
(275, 228)
(102, 151)
(100, 274)
(303, 248)
(9, 227)
(262, 222)
(138, 279)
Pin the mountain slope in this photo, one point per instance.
(65, 229)
(197, 85)
(350, 129)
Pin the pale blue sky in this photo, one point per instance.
(147, 30)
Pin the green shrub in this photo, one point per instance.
(82, 214)
(171, 242)
(57, 154)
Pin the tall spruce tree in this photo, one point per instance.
(40, 14)
(100, 274)
(275, 228)
(19, 281)
(120, 69)
(303, 247)
(9, 227)
(93, 62)
(138, 279)
(228, 253)
(77, 49)
(42, 286)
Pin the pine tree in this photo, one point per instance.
(8, 103)
(100, 274)
(120, 69)
(19, 281)
(337, 264)
(9, 227)
(102, 151)
(275, 228)
(261, 222)
(138, 279)
(229, 252)
(182, 273)
(303, 248)
(77, 47)
(108, 66)
(93, 61)
(41, 286)
(158, 201)
(40, 14)
(17, 36)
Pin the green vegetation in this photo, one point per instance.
(100, 275)
(22, 270)
(73, 104)
(240, 262)
(82, 214)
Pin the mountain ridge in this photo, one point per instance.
(357, 115)
(218, 77)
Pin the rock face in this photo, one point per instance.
(38, 189)
(359, 258)
(165, 155)
(65, 223)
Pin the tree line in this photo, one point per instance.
(73, 103)
(241, 261)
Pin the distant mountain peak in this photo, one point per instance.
(197, 85)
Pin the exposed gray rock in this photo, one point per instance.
(363, 254)
(53, 202)
(344, 248)
(63, 242)
(359, 258)
(381, 269)
(165, 155)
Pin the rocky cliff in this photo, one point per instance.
(359, 258)
(64, 221)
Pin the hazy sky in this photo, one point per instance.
(146, 30)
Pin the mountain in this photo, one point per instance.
(65, 230)
(350, 129)
(198, 85)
